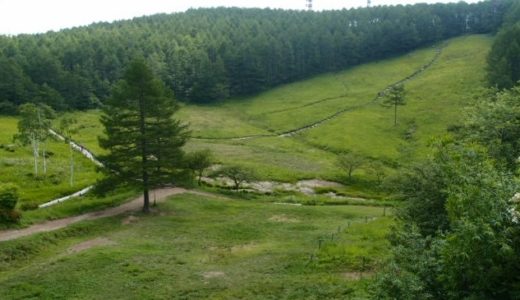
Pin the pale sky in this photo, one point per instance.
(35, 16)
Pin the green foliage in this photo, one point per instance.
(8, 201)
(8, 196)
(17, 167)
(395, 97)
(198, 162)
(349, 162)
(494, 121)
(237, 174)
(504, 58)
(142, 139)
(209, 54)
(460, 242)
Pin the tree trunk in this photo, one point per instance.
(144, 157)
(44, 160)
(200, 178)
(395, 114)
(71, 165)
(35, 154)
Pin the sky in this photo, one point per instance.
(36, 16)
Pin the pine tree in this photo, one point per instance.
(143, 140)
(395, 97)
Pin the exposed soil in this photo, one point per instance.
(213, 274)
(283, 219)
(129, 220)
(90, 244)
(354, 276)
(306, 187)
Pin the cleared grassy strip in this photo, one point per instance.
(298, 104)
(17, 167)
(205, 121)
(435, 100)
(200, 248)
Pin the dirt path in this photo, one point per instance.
(132, 205)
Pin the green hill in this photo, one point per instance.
(247, 130)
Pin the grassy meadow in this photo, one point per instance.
(16, 163)
(460, 72)
(198, 248)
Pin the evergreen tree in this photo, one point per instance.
(143, 140)
(395, 97)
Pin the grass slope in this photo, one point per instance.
(200, 248)
(17, 167)
(435, 99)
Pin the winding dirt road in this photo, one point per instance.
(135, 204)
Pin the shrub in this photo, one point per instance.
(8, 196)
(8, 201)
(29, 206)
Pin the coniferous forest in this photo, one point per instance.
(209, 54)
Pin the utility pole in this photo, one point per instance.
(308, 4)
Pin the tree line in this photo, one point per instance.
(205, 55)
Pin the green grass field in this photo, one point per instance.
(367, 129)
(460, 72)
(195, 247)
(17, 168)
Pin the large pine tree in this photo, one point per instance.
(144, 142)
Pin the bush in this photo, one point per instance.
(8, 201)
(8, 197)
(29, 206)
(8, 109)
(9, 216)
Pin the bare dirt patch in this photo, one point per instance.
(283, 219)
(354, 276)
(213, 274)
(243, 248)
(90, 244)
(129, 220)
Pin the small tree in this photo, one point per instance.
(349, 162)
(238, 174)
(67, 129)
(33, 129)
(198, 162)
(8, 201)
(377, 169)
(395, 97)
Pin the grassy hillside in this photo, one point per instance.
(16, 163)
(196, 247)
(245, 131)
(434, 101)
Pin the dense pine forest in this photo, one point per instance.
(209, 54)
